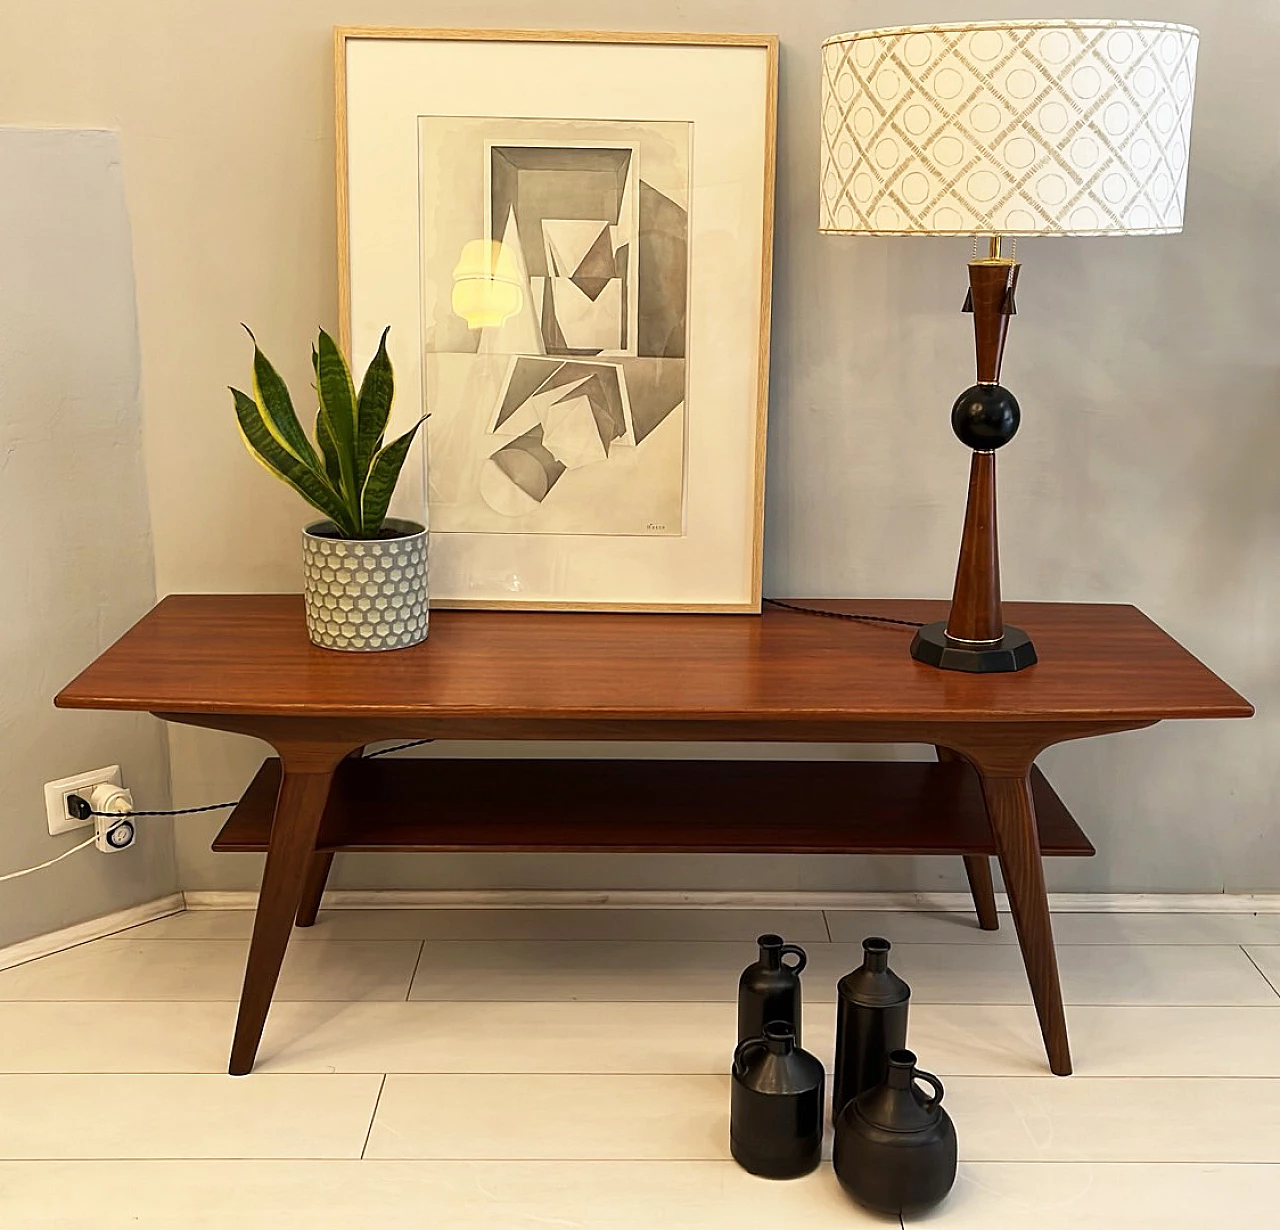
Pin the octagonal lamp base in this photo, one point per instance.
(1012, 652)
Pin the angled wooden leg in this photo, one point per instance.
(304, 791)
(1013, 822)
(317, 876)
(313, 889)
(978, 868)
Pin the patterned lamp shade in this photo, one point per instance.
(1008, 128)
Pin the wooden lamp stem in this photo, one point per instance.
(985, 417)
(992, 283)
(976, 616)
(975, 603)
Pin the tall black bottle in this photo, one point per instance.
(871, 1021)
(769, 989)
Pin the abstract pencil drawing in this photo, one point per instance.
(555, 282)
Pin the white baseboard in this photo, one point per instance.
(631, 899)
(647, 899)
(94, 929)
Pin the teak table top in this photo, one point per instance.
(249, 654)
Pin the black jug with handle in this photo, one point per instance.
(871, 1021)
(775, 1118)
(769, 989)
(895, 1149)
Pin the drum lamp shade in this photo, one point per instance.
(1073, 127)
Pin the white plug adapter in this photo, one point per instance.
(112, 831)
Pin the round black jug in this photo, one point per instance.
(871, 1021)
(895, 1149)
(769, 989)
(775, 1119)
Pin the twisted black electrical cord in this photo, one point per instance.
(82, 811)
(861, 619)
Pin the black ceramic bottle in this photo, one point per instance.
(871, 1021)
(895, 1148)
(775, 1120)
(769, 989)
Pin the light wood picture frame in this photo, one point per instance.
(571, 236)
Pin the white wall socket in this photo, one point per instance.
(57, 793)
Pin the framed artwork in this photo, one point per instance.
(570, 234)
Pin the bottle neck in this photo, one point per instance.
(770, 951)
(875, 955)
(902, 1070)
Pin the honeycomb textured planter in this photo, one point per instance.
(365, 595)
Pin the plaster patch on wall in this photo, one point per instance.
(76, 552)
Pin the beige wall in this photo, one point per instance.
(75, 542)
(1146, 368)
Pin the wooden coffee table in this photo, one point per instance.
(243, 663)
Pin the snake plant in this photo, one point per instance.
(349, 473)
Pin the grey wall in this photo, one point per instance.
(1147, 371)
(75, 538)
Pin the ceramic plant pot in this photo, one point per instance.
(365, 594)
(895, 1148)
(769, 989)
(775, 1120)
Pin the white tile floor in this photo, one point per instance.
(503, 1070)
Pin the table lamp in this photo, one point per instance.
(996, 130)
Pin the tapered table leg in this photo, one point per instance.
(317, 876)
(300, 805)
(1013, 823)
(313, 889)
(977, 867)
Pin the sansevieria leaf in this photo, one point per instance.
(373, 408)
(329, 451)
(276, 406)
(264, 446)
(383, 474)
(338, 405)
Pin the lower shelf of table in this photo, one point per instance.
(671, 806)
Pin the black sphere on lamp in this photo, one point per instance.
(985, 417)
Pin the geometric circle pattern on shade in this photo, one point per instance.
(1008, 128)
(366, 595)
